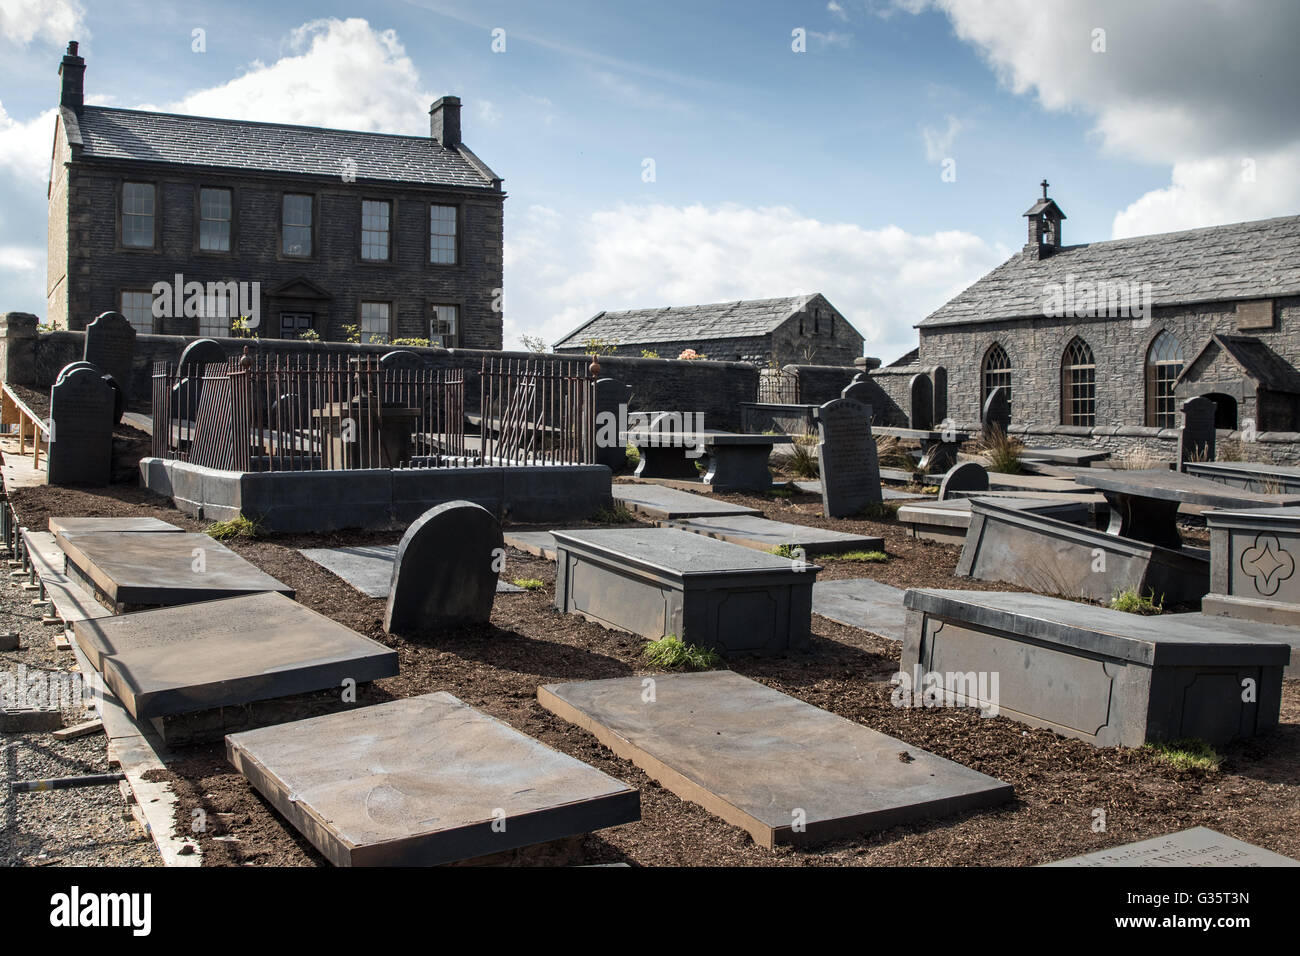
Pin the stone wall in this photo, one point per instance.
(819, 384)
(894, 383)
(1279, 448)
(1119, 345)
(714, 389)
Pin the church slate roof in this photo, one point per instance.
(170, 138)
(718, 320)
(1245, 260)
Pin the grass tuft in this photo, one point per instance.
(1189, 754)
(673, 653)
(1131, 602)
(615, 515)
(1001, 451)
(240, 527)
(874, 556)
(802, 460)
(880, 511)
(529, 584)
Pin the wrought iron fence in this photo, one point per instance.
(778, 387)
(313, 412)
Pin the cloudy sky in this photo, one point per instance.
(885, 164)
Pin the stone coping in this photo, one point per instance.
(675, 555)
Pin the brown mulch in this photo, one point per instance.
(1059, 782)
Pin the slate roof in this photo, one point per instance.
(718, 320)
(117, 134)
(1256, 359)
(1245, 260)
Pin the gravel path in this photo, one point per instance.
(83, 827)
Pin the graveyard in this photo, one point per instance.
(426, 639)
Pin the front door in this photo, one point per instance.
(293, 324)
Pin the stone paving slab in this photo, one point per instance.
(369, 567)
(421, 782)
(1003, 482)
(886, 494)
(762, 760)
(862, 603)
(658, 501)
(539, 543)
(226, 653)
(1199, 846)
(59, 526)
(763, 534)
(147, 569)
(1079, 457)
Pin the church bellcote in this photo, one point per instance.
(1045, 219)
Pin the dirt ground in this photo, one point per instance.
(1059, 783)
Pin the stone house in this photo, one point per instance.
(185, 223)
(1117, 333)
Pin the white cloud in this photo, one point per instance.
(837, 11)
(488, 112)
(939, 143)
(25, 147)
(52, 21)
(339, 73)
(22, 259)
(831, 38)
(1193, 84)
(561, 272)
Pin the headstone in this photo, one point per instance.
(611, 394)
(859, 390)
(968, 476)
(369, 567)
(1196, 437)
(401, 359)
(110, 345)
(194, 358)
(783, 770)
(921, 413)
(1199, 846)
(446, 569)
(996, 411)
(81, 429)
(940, 375)
(846, 453)
(1102, 676)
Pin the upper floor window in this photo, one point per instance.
(137, 308)
(442, 234)
(995, 373)
(297, 225)
(374, 322)
(443, 325)
(1078, 385)
(214, 220)
(138, 215)
(374, 229)
(1164, 363)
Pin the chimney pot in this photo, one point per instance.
(444, 121)
(73, 72)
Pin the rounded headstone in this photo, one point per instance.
(110, 345)
(199, 353)
(967, 476)
(401, 358)
(445, 573)
(72, 367)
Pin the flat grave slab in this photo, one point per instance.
(424, 781)
(658, 501)
(861, 603)
(1110, 678)
(659, 581)
(369, 567)
(1079, 457)
(1199, 846)
(225, 655)
(539, 543)
(947, 521)
(1042, 483)
(139, 569)
(763, 534)
(59, 526)
(1051, 556)
(762, 760)
(886, 494)
(1260, 477)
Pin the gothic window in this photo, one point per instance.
(1164, 363)
(1078, 385)
(995, 372)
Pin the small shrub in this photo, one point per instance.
(615, 515)
(240, 527)
(529, 584)
(1188, 754)
(633, 454)
(418, 343)
(1001, 451)
(873, 556)
(1131, 602)
(780, 492)
(785, 551)
(649, 353)
(672, 652)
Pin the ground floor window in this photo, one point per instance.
(996, 373)
(1164, 364)
(375, 322)
(1078, 385)
(137, 308)
(444, 325)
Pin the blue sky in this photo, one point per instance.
(776, 172)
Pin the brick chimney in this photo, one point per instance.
(444, 121)
(1045, 218)
(73, 71)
